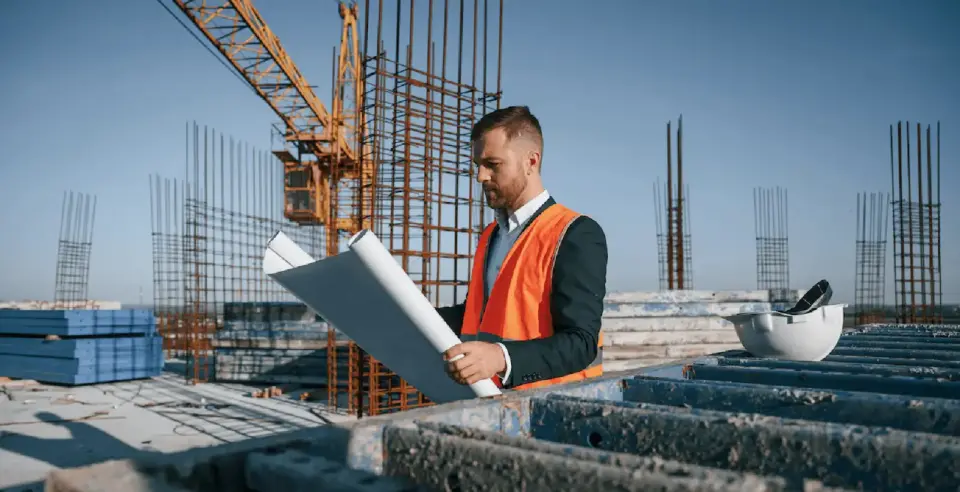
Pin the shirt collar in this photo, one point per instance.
(523, 214)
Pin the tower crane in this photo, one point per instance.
(329, 167)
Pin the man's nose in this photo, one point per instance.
(483, 174)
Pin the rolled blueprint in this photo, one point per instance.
(365, 294)
(282, 254)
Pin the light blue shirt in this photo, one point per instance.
(508, 230)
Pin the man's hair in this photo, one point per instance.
(516, 121)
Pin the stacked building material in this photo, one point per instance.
(79, 346)
(271, 343)
(648, 328)
(46, 305)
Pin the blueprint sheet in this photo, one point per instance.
(365, 294)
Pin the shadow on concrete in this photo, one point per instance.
(256, 464)
(86, 444)
(221, 415)
(224, 467)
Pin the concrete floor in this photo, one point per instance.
(43, 427)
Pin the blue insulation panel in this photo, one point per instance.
(98, 369)
(866, 419)
(93, 365)
(91, 322)
(79, 347)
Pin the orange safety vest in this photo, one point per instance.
(516, 310)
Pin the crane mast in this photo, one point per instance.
(334, 187)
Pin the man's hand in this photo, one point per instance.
(479, 361)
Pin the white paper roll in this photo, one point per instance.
(365, 294)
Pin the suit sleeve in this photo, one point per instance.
(453, 316)
(576, 303)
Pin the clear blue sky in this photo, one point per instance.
(94, 97)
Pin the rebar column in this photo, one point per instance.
(674, 253)
(870, 261)
(773, 245)
(916, 225)
(77, 215)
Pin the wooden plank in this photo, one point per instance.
(9, 383)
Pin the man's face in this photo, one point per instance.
(503, 167)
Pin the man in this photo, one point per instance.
(535, 298)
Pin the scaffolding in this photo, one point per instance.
(916, 225)
(773, 245)
(77, 215)
(166, 233)
(393, 154)
(428, 208)
(209, 231)
(870, 267)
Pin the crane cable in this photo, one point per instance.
(232, 70)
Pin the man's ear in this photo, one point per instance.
(533, 161)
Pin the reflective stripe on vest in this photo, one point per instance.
(515, 310)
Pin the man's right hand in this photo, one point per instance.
(470, 362)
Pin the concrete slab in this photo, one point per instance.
(45, 427)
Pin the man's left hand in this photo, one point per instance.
(481, 360)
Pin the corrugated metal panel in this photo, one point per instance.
(726, 422)
(649, 328)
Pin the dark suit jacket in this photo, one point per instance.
(576, 303)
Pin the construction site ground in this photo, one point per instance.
(44, 427)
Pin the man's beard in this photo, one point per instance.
(503, 196)
(495, 202)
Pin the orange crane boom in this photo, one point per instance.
(236, 29)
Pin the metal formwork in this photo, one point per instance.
(881, 413)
